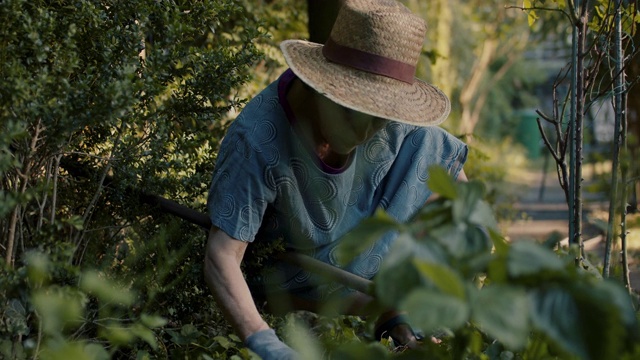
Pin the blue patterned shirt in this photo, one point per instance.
(268, 184)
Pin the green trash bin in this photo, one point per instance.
(528, 134)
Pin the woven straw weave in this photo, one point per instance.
(380, 27)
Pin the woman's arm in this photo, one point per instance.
(224, 277)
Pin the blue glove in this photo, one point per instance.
(266, 344)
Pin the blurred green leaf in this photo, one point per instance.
(607, 317)
(532, 17)
(393, 283)
(143, 355)
(358, 351)
(503, 313)
(452, 238)
(430, 310)
(612, 293)
(440, 182)
(478, 241)
(189, 332)
(483, 215)
(433, 215)
(153, 321)
(58, 308)
(462, 240)
(499, 242)
(38, 267)
(145, 334)
(405, 248)
(98, 285)
(529, 258)
(116, 334)
(444, 278)
(10, 349)
(555, 313)
(67, 350)
(223, 341)
(469, 193)
(96, 352)
(302, 340)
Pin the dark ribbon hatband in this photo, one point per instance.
(368, 62)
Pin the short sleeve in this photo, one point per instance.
(238, 196)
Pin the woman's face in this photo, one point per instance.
(344, 129)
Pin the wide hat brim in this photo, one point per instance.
(419, 103)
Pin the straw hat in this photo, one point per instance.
(369, 62)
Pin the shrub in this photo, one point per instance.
(98, 100)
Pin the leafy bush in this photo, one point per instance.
(520, 298)
(98, 100)
(92, 90)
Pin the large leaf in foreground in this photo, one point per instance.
(503, 313)
(357, 351)
(443, 277)
(395, 282)
(608, 320)
(431, 310)
(465, 205)
(554, 312)
(528, 258)
(406, 247)
(440, 182)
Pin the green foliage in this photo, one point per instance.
(521, 298)
(97, 101)
(101, 98)
(54, 309)
(600, 13)
(531, 6)
(134, 308)
(138, 91)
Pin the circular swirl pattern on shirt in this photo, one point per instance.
(369, 266)
(226, 208)
(300, 171)
(324, 190)
(301, 231)
(269, 179)
(351, 198)
(421, 168)
(251, 215)
(243, 148)
(256, 101)
(374, 153)
(272, 103)
(449, 151)
(302, 277)
(284, 185)
(263, 133)
(324, 218)
(420, 136)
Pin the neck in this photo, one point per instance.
(305, 109)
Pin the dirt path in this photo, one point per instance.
(543, 212)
